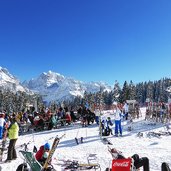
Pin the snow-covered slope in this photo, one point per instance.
(54, 86)
(157, 149)
(10, 82)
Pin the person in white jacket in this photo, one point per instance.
(117, 117)
(2, 124)
(126, 110)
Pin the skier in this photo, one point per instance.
(117, 117)
(42, 153)
(13, 132)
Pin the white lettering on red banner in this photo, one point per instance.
(121, 164)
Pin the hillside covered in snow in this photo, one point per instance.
(156, 148)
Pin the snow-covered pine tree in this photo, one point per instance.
(116, 91)
(132, 91)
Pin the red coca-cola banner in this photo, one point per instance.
(121, 164)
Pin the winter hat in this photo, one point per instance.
(108, 118)
(47, 146)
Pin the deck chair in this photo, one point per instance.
(32, 162)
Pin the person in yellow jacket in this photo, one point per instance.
(13, 131)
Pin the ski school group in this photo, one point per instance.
(9, 128)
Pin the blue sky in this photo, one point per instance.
(89, 40)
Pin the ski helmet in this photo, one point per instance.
(47, 146)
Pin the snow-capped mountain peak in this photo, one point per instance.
(6, 76)
(51, 85)
(10, 82)
(54, 86)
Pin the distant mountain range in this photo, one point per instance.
(52, 86)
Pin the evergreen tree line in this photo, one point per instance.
(156, 91)
(11, 102)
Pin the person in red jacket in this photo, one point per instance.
(68, 118)
(42, 153)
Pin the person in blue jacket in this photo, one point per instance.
(106, 127)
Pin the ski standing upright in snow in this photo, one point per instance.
(77, 140)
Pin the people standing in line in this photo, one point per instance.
(13, 132)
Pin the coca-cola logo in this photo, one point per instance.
(121, 164)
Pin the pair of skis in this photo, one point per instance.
(77, 140)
